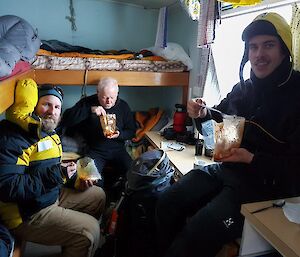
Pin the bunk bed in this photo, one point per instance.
(77, 68)
(81, 77)
(56, 62)
(91, 77)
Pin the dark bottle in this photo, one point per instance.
(199, 146)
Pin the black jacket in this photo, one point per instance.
(274, 104)
(88, 123)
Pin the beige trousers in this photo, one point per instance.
(71, 222)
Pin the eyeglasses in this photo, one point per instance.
(46, 87)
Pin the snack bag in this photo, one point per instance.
(228, 134)
(108, 124)
(87, 170)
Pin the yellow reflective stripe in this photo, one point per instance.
(24, 159)
(54, 152)
(32, 154)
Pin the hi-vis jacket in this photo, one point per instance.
(30, 172)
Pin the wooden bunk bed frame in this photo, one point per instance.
(81, 77)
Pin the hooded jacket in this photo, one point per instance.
(267, 24)
(30, 173)
(271, 108)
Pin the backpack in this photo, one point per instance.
(150, 171)
(135, 235)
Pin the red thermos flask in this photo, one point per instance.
(179, 118)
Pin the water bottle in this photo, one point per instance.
(179, 118)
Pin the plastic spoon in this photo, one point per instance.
(276, 204)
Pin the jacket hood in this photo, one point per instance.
(276, 79)
(267, 24)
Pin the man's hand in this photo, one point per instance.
(241, 155)
(71, 168)
(98, 110)
(196, 109)
(84, 184)
(115, 135)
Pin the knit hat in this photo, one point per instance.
(267, 24)
(48, 89)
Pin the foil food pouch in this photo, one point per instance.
(220, 138)
(108, 124)
(228, 135)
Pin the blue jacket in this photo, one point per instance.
(30, 173)
(6, 242)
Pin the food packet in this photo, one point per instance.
(87, 170)
(227, 135)
(220, 138)
(108, 124)
(208, 134)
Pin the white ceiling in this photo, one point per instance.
(148, 3)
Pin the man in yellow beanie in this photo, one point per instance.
(201, 212)
(34, 203)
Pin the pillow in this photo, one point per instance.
(173, 52)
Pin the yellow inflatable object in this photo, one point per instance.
(21, 112)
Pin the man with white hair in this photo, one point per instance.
(85, 115)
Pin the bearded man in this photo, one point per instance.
(34, 203)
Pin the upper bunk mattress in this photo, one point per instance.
(53, 62)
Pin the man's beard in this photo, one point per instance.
(49, 123)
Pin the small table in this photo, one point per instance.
(183, 161)
(269, 229)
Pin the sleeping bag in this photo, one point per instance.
(18, 41)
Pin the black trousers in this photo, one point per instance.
(201, 212)
(119, 158)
